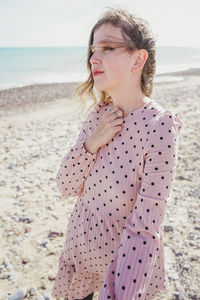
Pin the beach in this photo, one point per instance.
(39, 124)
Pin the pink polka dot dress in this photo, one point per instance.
(114, 239)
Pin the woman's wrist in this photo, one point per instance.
(91, 145)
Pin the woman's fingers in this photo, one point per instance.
(117, 121)
(115, 111)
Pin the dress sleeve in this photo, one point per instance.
(77, 163)
(129, 272)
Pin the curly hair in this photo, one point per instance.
(137, 35)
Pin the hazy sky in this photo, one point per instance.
(68, 22)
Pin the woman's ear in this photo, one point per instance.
(139, 59)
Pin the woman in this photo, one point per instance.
(121, 167)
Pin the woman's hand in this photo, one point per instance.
(108, 127)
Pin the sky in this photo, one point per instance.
(45, 23)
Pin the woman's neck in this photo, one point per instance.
(128, 101)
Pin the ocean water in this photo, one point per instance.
(24, 66)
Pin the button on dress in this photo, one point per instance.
(114, 238)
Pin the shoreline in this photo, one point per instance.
(35, 93)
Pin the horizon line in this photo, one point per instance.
(79, 46)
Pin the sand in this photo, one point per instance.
(38, 125)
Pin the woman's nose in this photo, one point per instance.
(94, 59)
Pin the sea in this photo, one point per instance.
(22, 66)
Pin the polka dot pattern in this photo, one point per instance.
(114, 238)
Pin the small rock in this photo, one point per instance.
(186, 267)
(193, 297)
(25, 261)
(10, 277)
(10, 233)
(35, 155)
(43, 284)
(25, 220)
(51, 277)
(194, 258)
(55, 216)
(191, 235)
(9, 267)
(191, 244)
(197, 227)
(32, 291)
(27, 229)
(176, 295)
(181, 177)
(46, 297)
(20, 294)
(53, 234)
(2, 182)
(44, 244)
(174, 276)
(168, 228)
(50, 207)
(6, 262)
(176, 252)
(18, 187)
(21, 203)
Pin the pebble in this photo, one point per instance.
(24, 261)
(168, 228)
(55, 216)
(27, 229)
(53, 234)
(2, 182)
(18, 295)
(192, 244)
(197, 227)
(50, 207)
(46, 297)
(21, 203)
(44, 244)
(26, 220)
(10, 277)
(51, 277)
(43, 284)
(194, 297)
(186, 267)
(176, 295)
(32, 291)
(174, 276)
(9, 267)
(176, 252)
(10, 233)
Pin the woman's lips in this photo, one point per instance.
(97, 73)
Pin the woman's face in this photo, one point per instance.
(111, 57)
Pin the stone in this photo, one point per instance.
(32, 291)
(18, 295)
(186, 267)
(168, 228)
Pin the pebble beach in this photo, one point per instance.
(38, 126)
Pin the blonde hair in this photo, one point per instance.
(139, 35)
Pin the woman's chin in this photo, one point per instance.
(101, 87)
